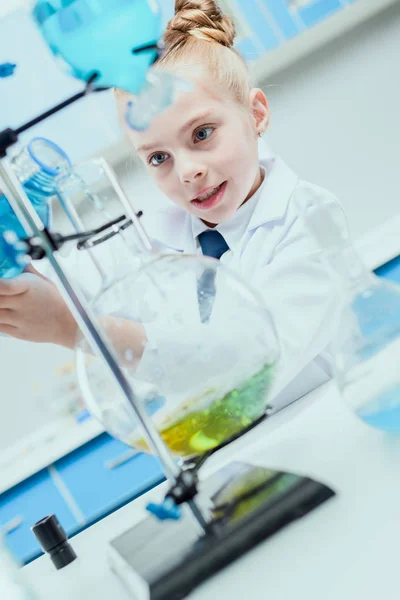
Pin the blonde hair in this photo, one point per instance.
(201, 34)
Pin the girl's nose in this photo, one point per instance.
(191, 172)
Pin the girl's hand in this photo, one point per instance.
(32, 309)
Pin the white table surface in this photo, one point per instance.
(347, 549)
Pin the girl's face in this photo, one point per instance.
(202, 152)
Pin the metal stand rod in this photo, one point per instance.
(86, 321)
(55, 109)
(82, 314)
(198, 515)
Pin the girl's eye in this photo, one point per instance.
(157, 159)
(204, 133)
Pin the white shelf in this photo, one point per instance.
(315, 37)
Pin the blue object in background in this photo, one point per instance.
(318, 11)
(279, 10)
(257, 21)
(377, 310)
(7, 69)
(248, 49)
(110, 486)
(9, 222)
(102, 37)
(383, 412)
(116, 41)
(390, 270)
(41, 160)
(100, 476)
(166, 511)
(30, 501)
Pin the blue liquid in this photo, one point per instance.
(39, 191)
(383, 412)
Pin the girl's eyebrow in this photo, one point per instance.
(191, 122)
(183, 129)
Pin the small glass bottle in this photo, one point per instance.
(366, 349)
(36, 166)
(11, 584)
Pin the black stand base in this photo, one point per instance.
(167, 560)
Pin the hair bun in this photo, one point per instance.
(202, 19)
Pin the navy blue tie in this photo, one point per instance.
(212, 244)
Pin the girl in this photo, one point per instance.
(202, 153)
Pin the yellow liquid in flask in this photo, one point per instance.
(197, 431)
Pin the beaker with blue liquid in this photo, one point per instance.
(366, 348)
(37, 166)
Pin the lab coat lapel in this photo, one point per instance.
(170, 230)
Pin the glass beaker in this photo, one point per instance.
(36, 166)
(366, 348)
(198, 347)
(91, 198)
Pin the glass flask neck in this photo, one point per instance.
(350, 272)
(141, 244)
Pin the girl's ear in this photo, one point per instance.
(260, 110)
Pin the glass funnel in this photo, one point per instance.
(366, 348)
(198, 347)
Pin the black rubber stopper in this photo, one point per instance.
(54, 541)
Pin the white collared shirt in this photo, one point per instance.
(271, 250)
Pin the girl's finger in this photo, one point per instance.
(7, 317)
(6, 301)
(31, 269)
(8, 330)
(13, 287)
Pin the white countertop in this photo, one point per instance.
(61, 437)
(347, 548)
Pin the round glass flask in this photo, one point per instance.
(198, 347)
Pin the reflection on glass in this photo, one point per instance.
(203, 380)
(91, 198)
(367, 342)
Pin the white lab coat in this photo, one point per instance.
(271, 250)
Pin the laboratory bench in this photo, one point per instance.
(347, 548)
(82, 474)
(76, 471)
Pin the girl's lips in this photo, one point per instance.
(212, 201)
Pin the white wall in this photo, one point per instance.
(9, 6)
(335, 119)
(29, 387)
